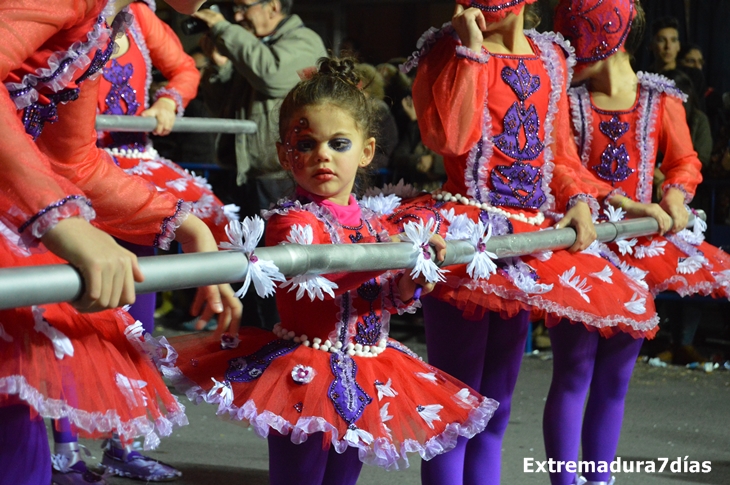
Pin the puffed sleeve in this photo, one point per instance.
(278, 229)
(32, 196)
(449, 89)
(167, 55)
(680, 166)
(571, 180)
(127, 206)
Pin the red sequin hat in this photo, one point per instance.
(595, 28)
(496, 10)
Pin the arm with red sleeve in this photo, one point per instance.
(167, 55)
(680, 166)
(448, 94)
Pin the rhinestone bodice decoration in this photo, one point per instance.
(519, 184)
(614, 165)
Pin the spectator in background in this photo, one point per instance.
(690, 55)
(373, 85)
(665, 44)
(254, 63)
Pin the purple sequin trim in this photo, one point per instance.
(252, 366)
(175, 95)
(580, 105)
(645, 126)
(348, 398)
(602, 50)
(615, 160)
(120, 91)
(496, 8)
(136, 33)
(171, 223)
(74, 202)
(466, 53)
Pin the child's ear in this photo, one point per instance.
(283, 156)
(368, 152)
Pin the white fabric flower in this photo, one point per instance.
(430, 413)
(143, 168)
(354, 436)
(220, 393)
(691, 264)
(429, 376)
(385, 389)
(178, 184)
(524, 282)
(636, 305)
(132, 390)
(626, 246)
(655, 248)
(604, 275)
(466, 399)
(401, 189)
(634, 273)
(381, 204)
(302, 374)
(420, 234)
(460, 226)
(314, 285)
(594, 249)
(614, 214)
(569, 279)
(135, 332)
(244, 236)
(385, 417)
(231, 211)
(62, 345)
(482, 265)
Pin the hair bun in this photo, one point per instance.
(342, 69)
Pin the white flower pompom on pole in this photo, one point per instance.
(482, 266)
(314, 285)
(614, 214)
(420, 234)
(244, 236)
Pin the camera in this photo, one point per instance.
(192, 25)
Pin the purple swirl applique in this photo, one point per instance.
(348, 398)
(501, 225)
(252, 366)
(119, 76)
(35, 117)
(614, 166)
(517, 185)
(369, 329)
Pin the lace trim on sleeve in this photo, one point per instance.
(588, 199)
(170, 225)
(173, 94)
(46, 219)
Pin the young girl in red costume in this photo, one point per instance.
(621, 119)
(328, 387)
(52, 174)
(491, 99)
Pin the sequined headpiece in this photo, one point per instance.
(595, 28)
(496, 10)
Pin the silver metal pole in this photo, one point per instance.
(39, 285)
(187, 125)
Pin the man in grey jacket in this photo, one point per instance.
(254, 65)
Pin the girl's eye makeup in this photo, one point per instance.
(340, 144)
(305, 145)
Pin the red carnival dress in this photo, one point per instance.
(124, 90)
(329, 366)
(90, 368)
(499, 121)
(620, 148)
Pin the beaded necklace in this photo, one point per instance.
(535, 220)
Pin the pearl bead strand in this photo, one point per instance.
(357, 350)
(448, 197)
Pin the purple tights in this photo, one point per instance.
(309, 463)
(143, 308)
(584, 360)
(485, 355)
(24, 455)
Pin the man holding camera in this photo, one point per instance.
(253, 65)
